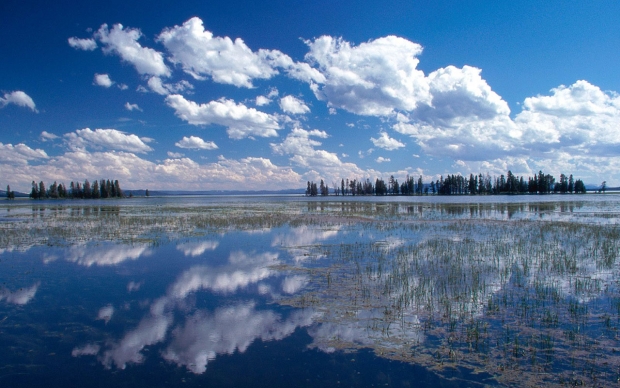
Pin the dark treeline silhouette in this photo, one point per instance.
(96, 190)
(455, 185)
(9, 194)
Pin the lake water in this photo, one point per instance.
(292, 291)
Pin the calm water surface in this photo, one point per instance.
(266, 291)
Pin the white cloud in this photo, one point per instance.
(262, 101)
(563, 131)
(194, 142)
(45, 136)
(381, 159)
(82, 44)
(175, 155)
(227, 61)
(106, 138)
(103, 80)
(159, 87)
(20, 154)
(386, 142)
(201, 54)
(252, 173)
(293, 105)
(457, 95)
(18, 98)
(124, 42)
(240, 120)
(301, 146)
(132, 107)
(577, 118)
(375, 78)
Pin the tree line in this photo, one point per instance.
(457, 184)
(76, 190)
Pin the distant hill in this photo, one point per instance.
(17, 194)
(168, 193)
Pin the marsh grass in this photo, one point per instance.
(532, 302)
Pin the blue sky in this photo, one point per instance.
(204, 95)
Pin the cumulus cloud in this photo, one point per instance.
(300, 144)
(375, 78)
(18, 98)
(463, 119)
(386, 142)
(160, 87)
(239, 120)
(576, 119)
(457, 95)
(132, 107)
(103, 80)
(46, 136)
(194, 142)
(20, 154)
(381, 159)
(266, 100)
(106, 138)
(293, 105)
(253, 173)
(82, 44)
(302, 148)
(201, 54)
(124, 43)
(262, 101)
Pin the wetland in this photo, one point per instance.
(281, 291)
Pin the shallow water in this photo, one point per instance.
(267, 291)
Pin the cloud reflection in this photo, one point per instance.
(105, 313)
(106, 254)
(194, 249)
(86, 350)
(21, 296)
(150, 331)
(242, 270)
(204, 336)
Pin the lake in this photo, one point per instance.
(296, 291)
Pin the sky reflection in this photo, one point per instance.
(19, 297)
(433, 285)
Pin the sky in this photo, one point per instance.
(246, 95)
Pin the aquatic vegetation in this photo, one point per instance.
(528, 301)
